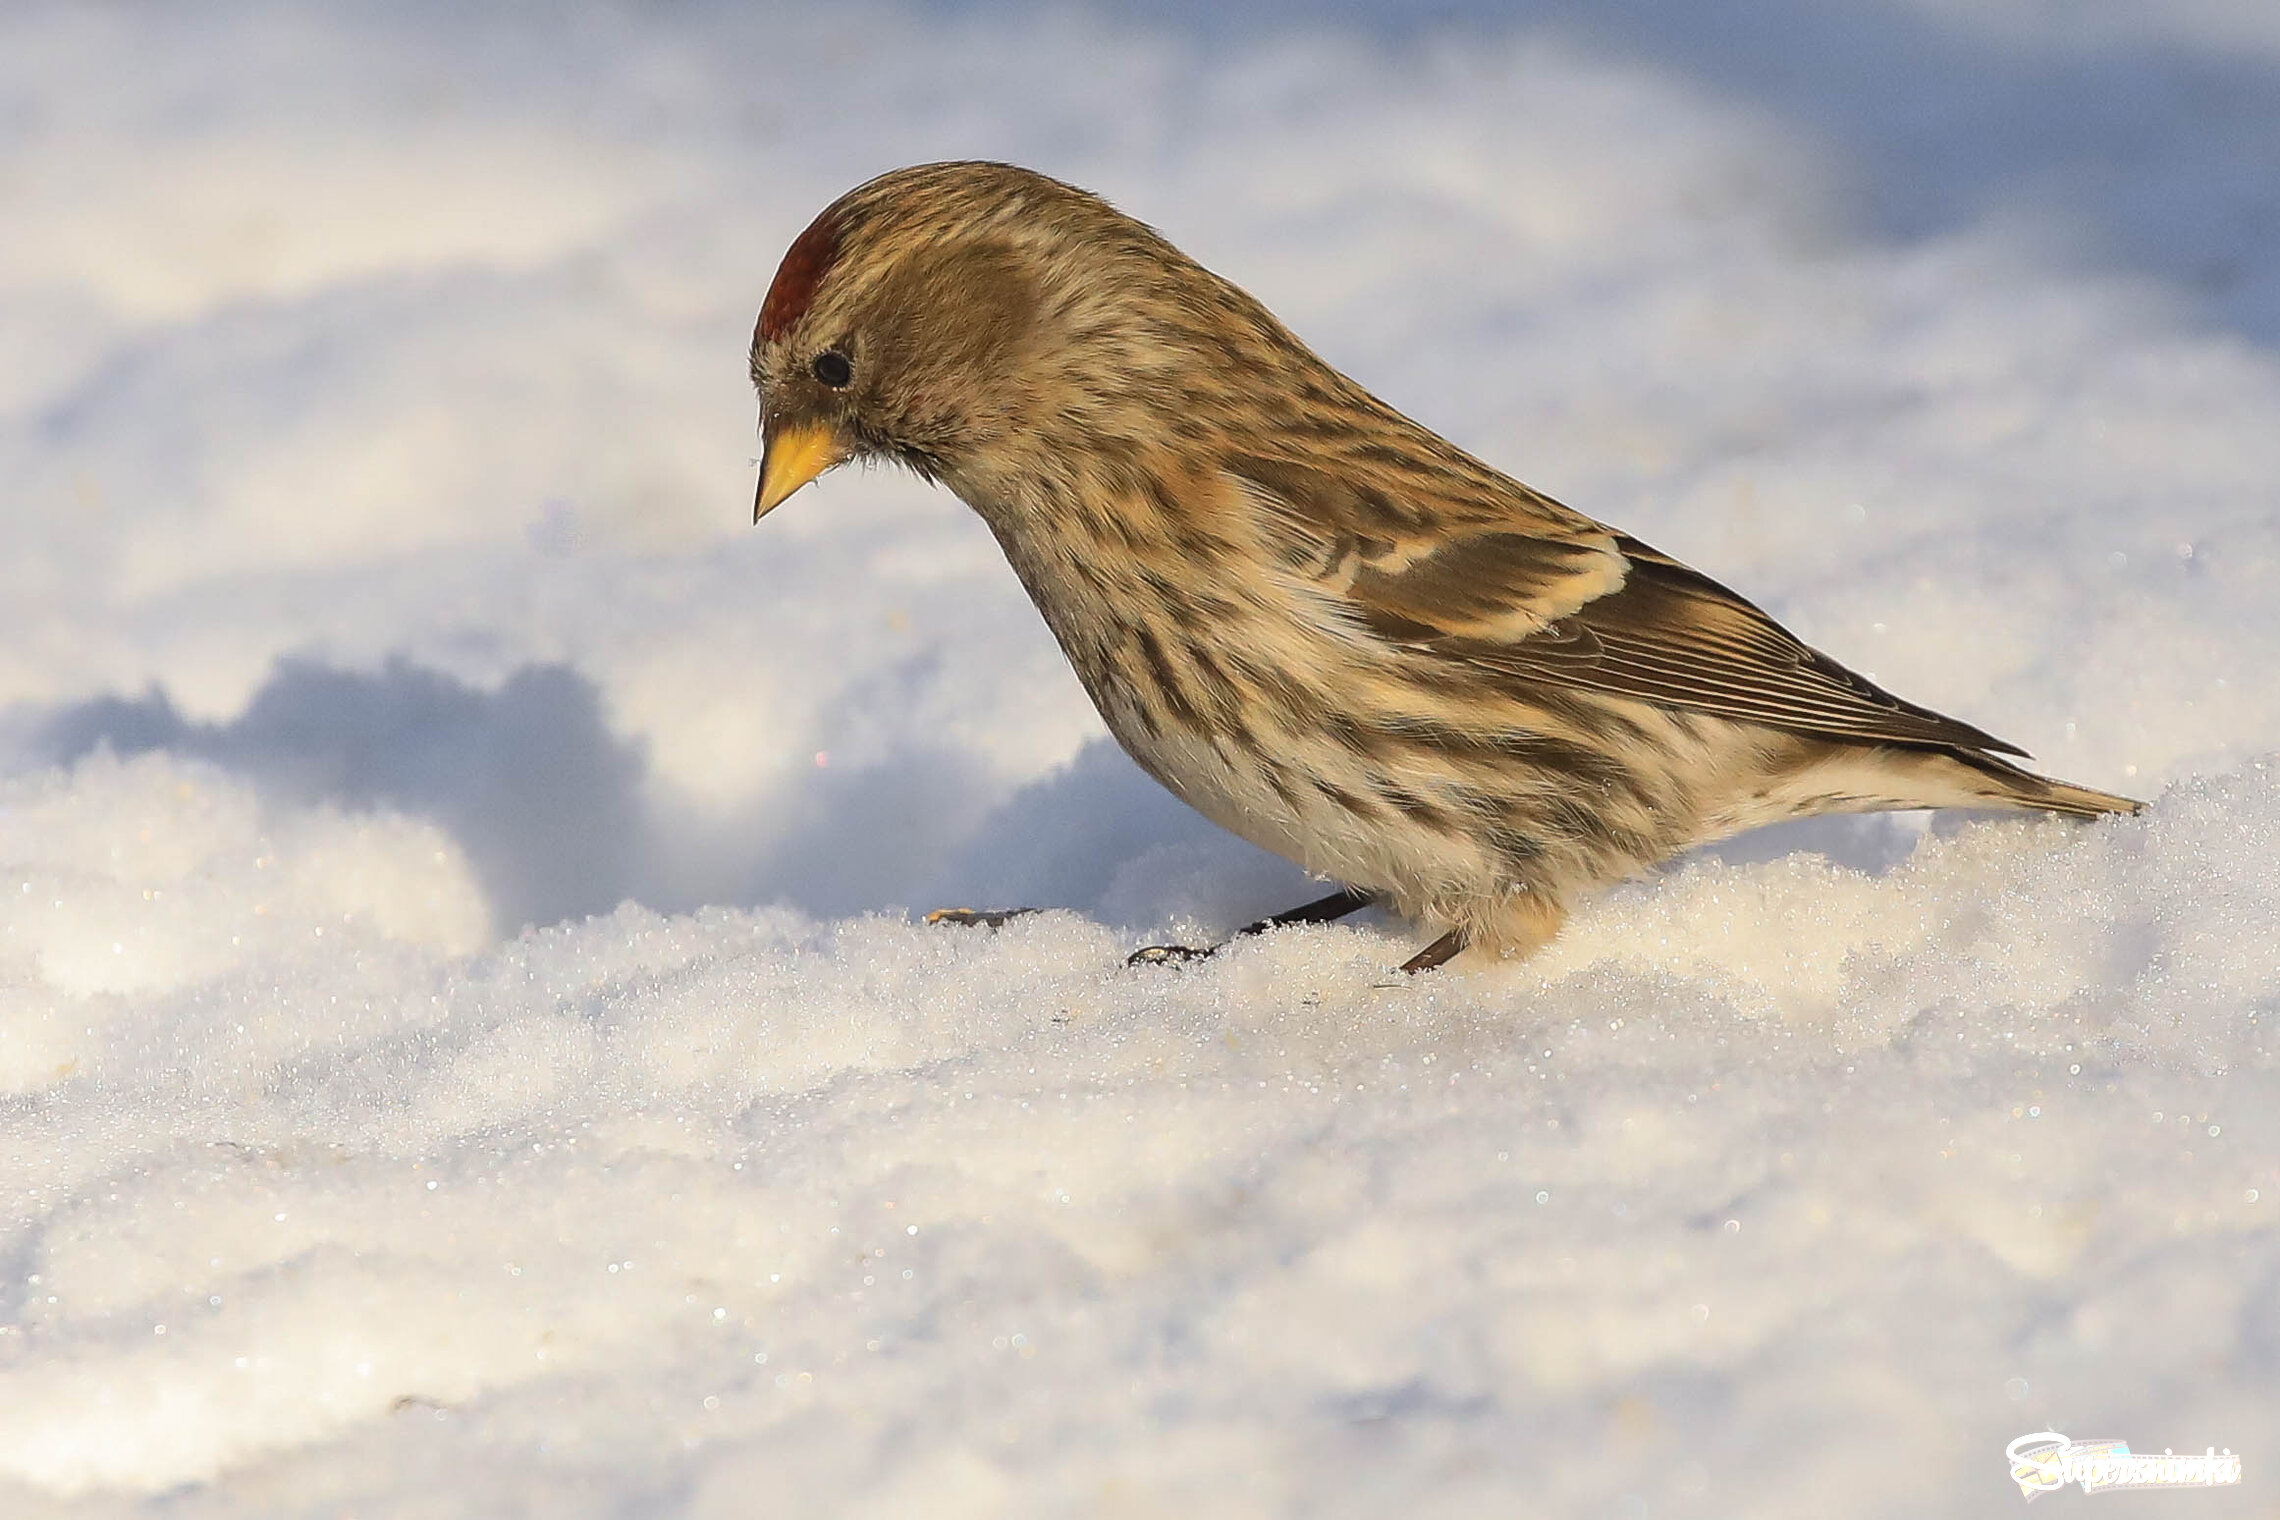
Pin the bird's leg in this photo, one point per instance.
(1437, 953)
(987, 918)
(1527, 924)
(1322, 910)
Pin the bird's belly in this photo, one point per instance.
(1287, 732)
(1296, 796)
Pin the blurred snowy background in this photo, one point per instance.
(379, 611)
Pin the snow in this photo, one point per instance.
(466, 1042)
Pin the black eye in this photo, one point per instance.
(832, 368)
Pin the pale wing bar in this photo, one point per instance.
(1674, 636)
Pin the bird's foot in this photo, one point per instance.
(987, 918)
(1169, 955)
(1321, 911)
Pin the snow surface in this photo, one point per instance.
(377, 457)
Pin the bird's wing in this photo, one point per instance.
(1493, 569)
(1540, 593)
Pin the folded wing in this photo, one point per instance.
(1537, 593)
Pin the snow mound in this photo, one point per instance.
(872, 1209)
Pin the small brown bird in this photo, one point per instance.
(1323, 626)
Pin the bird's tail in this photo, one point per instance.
(2018, 788)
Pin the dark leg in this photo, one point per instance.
(1321, 911)
(1437, 953)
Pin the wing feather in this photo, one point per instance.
(1535, 592)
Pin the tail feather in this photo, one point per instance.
(2025, 789)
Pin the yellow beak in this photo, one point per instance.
(790, 459)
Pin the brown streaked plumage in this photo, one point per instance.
(1322, 625)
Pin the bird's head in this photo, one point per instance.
(955, 317)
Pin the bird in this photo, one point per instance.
(1322, 625)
